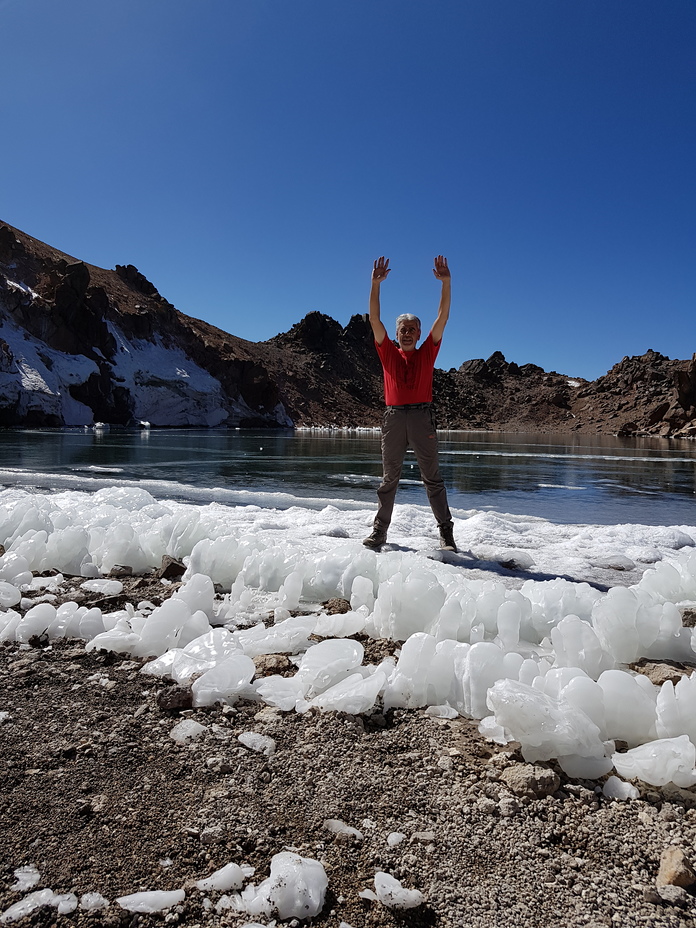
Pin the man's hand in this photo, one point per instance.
(441, 271)
(380, 270)
(379, 273)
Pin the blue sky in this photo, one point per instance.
(252, 158)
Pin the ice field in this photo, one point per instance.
(531, 629)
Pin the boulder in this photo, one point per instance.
(627, 428)
(131, 275)
(268, 664)
(673, 895)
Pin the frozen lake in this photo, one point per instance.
(565, 479)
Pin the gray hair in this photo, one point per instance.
(407, 317)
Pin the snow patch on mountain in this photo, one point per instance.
(168, 388)
(37, 378)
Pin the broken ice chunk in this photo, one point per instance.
(231, 876)
(90, 902)
(156, 900)
(337, 827)
(26, 906)
(27, 877)
(660, 762)
(615, 788)
(223, 682)
(186, 730)
(296, 888)
(391, 893)
(395, 837)
(103, 586)
(257, 742)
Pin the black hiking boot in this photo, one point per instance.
(447, 542)
(376, 539)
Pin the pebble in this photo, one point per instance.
(486, 805)
(175, 697)
(508, 806)
(424, 837)
(675, 895)
(531, 780)
(214, 835)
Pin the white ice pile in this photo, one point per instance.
(295, 888)
(540, 661)
(390, 892)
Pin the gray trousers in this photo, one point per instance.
(412, 426)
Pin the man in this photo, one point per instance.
(408, 393)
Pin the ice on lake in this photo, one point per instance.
(539, 650)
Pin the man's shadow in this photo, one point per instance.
(468, 560)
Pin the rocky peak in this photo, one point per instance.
(316, 332)
(132, 276)
(10, 245)
(358, 330)
(496, 360)
(646, 367)
(491, 369)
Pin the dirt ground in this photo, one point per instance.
(99, 798)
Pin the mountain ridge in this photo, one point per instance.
(81, 344)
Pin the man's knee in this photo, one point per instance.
(390, 477)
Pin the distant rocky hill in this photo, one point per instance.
(80, 344)
(650, 394)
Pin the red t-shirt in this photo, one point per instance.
(408, 375)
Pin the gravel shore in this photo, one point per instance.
(98, 797)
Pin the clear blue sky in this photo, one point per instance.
(252, 158)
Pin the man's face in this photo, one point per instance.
(407, 335)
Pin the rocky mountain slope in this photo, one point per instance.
(81, 344)
(649, 394)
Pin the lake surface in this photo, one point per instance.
(580, 479)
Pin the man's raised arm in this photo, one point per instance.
(441, 271)
(379, 273)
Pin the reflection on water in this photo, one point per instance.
(574, 478)
(570, 478)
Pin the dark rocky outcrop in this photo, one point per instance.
(646, 394)
(137, 281)
(326, 371)
(317, 373)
